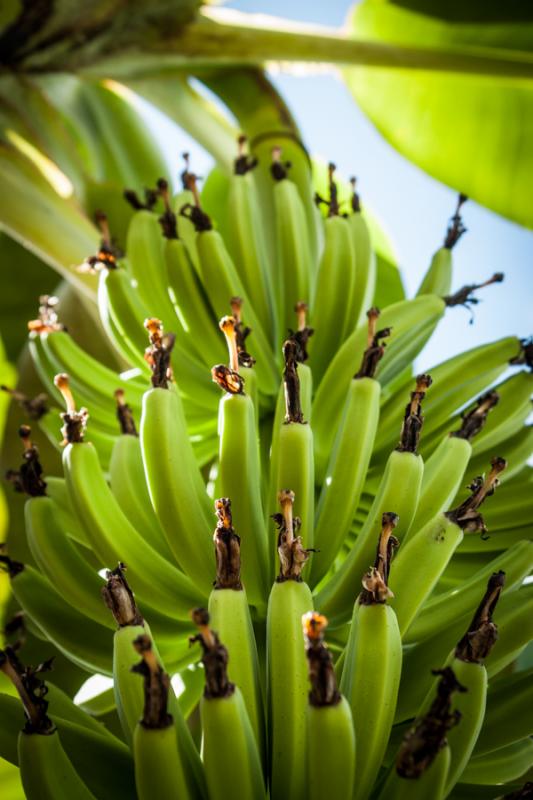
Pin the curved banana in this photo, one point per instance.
(350, 457)
(373, 664)
(399, 489)
(423, 759)
(408, 319)
(289, 600)
(425, 557)
(330, 732)
(445, 469)
(230, 754)
(470, 671)
(128, 482)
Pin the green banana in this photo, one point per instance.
(289, 600)
(445, 469)
(409, 319)
(399, 489)
(159, 770)
(350, 457)
(501, 766)
(423, 759)
(373, 664)
(425, 557)
(467, 664)
(517, 563)
(365, 260)
(46, 770)
(230, 754)
(239, 472)
(438, 278)
(293, 257)
(508, 717)
(230, 616)
(106, 526)
(128, 483)
(336, 280)
(292, 462)
(129, 693)
(330, 734)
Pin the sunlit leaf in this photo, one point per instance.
(472, 132)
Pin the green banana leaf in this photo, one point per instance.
(473, 132)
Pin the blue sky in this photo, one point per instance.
(413, 207)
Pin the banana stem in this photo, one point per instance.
(482, 632)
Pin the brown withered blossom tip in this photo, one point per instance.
(292, 554)
(227, 548)
(413, 419)
(466, 515)
(215, 657)
(228, 380)
(482, 632)
(47, 320)
(475, 419)
(156, 686)
(244, 162)
(124, 414)
(279, 169)
(108, 253)
(31, 689)
(28, 479)
(324, 690)
(159, 353)
(193, 211)
(119, 598)
(375, 346)
(375, 581)
(456, 228)
(74, 422)
(34, 407)
(423, 742)
(291, 383)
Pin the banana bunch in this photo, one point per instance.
(335, 481)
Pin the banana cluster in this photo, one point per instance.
(315, 418)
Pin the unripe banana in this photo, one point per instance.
(230, 754)
(293, 253)
(423, 760)
(444, 471)
(350, 457)
(373, 664)
(160, 773)
(239, 472)
(399, 489)
(425, 557)
(365, 260)
(438, 278)
(330, 732)
(289, 600)
(46, 771)
(230, 615)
